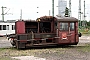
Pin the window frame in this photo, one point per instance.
(72, 27)
(4, 27)
(64, 26)
(7, 27)
(13, 27)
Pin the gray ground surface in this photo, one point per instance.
(4, 43)
(70, 54)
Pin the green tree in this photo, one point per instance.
(66, 12)
(88, 23)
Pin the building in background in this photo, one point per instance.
(62, 4)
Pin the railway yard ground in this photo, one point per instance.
(73, 52)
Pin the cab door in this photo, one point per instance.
(72, 32)
(66, 32)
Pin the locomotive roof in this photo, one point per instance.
(27, 20)
(50, 18)
(46, 18)
(66, 19)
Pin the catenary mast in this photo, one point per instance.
(69, 8)
(79, 13)
(52, 7)
(84, 15)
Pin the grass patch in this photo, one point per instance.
(2, 49)
(84, 31)
(12, 52)
(7, 53)
(85, 48)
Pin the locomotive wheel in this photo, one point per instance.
(13, 44)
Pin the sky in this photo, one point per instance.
(29, 8)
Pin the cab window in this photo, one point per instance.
(63, 26)
(72, 26)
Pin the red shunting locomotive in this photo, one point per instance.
(45, 31)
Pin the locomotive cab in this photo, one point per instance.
(67, 30)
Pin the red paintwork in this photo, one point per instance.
(20, 27)
(68, 37)
(33, 35)
(77, 38)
